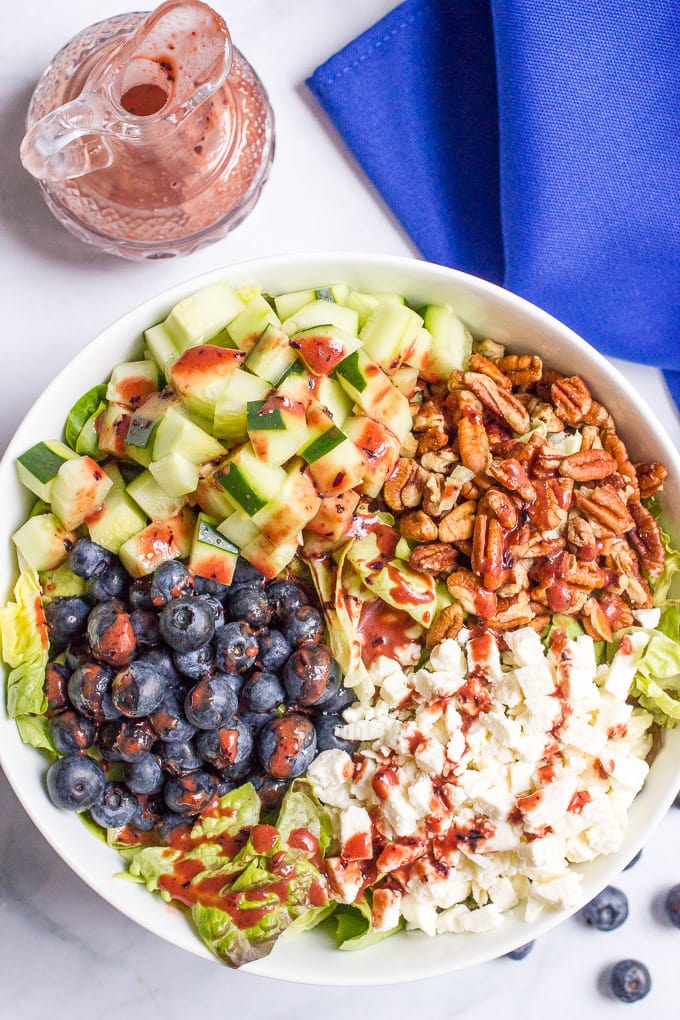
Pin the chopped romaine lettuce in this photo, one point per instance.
(23, 633)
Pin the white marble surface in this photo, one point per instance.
(66, 953)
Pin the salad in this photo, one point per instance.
(329, 612)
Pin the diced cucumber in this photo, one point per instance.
(112, 427)
(81, 411)
(201, 374)
(60, 583)
(196, 319)
(390, 334)
(277, 428)
(338, 292)
(271, 356)
(323, 347)
(340, 469)
(153, 500)
(37, 468)
(297, 383)
(371, 389)
(80, 488)
(248, 481)
(380, 448)
(161, 347)
(322, 313)
(335, 515)
(142, 425)
(419, 356)
(158, 542)
(268, 558)
(212, 555)
(115, 475)
(131, 382)
(288, 304)
(293, 506)
(393, 410)
(230, 411)
(324, 434)
(212, 498)
(177, 434)
(405, 379)
(329, 394)
(117, 521)
(87, 443)
(239, 528)
(176, 475)
(363, 303)
(43, 543)
(249, 325)
(451, 343)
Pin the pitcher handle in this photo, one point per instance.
(68, 142)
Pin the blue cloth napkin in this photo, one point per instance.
(535, 143)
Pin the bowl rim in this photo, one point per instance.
(317, 264)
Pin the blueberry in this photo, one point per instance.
(262, 692)
(89, 689)
(178, 757)
(146, 775)
(66, 619)
(236, 648)
(196, 664)
(75, 782)
(170, 581)
(125, 739)
(162, 659)
(210, 703)
(169, 721)
(138, 690)
(607, 911)
(256, 720)
(187, 795)
(77, 653)
(311, 676)
(676, 802)
(246, 574)
(172, 826)
(116, 808)
(325, 734)
(302, 625)
(630, 980)
(287, 745)
(208, 586)
(633, 861)
(672, 904)
(215, 606)
(87, 559)
(71, 732)
(147, 814)
(55, 686)
(225, 745)
(110, 634)
(233, 680)
(250, 605)
(225, 786)
(285, 597)
(274, 650)
(186, 624)
(139, 593)
(342, 699)
(238, 772)
(521, 951)
(270, 791)
(145, 626)
(112, 584)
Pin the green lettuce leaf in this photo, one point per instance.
(354, 929)
(657, 679)
(395, 582)
(301, 810)
(34, 730)
(23, 637)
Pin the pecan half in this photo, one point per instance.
(544, 413)
(582, 573)
(631, 581)
(489, 348)
(501, 504)
(446, 624)
(616, 446)
(473, 442)
(646, 539)
(581, 537)
(595, 621)
(458, 525)
(500, 402)
(651, 476)
(599, 416)
(512, 612)
(588, 465)
(487, 551)
(547, 511)
(521, 369)
(572, 399)
(418, 527)
(478, 363)
(467, 589)
(428, 417)
(605, 506)
(512, 475)
(440, 461)
(434, 558)
(404, 487)
(590, 438)
(431, 441)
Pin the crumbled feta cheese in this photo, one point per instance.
(355, 834)
(647, 617)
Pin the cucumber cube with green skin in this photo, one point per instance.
(249, 482)
(322, 313)
(158, 542)
(390, 334)
(362, 379)
(392, 410)
(212, 555)
(131, 382)
(419, 356)
(142, 425)
(451, 343)
(292, 508)
(43, 543)
(230, 411)
(87, 443)
(267, 557)
(200, 375)
(239, 528)
(161, 347)
(211, 497)
(405, 379)
(297, 383)
(112, 427)
(334, 516)
(288, 304)
(329, 394)
(198, 318)
(118, 483)
(82, 411)
(340, 469)
(80, 488)
(176, 475)
(249, 325)
(277, 428)
(60, 583)
(323, 347)
(324, 434)
(37, 468)
(178, 434)
(152, 499)
(118, 520)
(271, 356)
(380, 449)
(338, 292)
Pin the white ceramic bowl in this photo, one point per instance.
(488, 311)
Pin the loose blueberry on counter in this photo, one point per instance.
(171, 580)
(89, 689)
(110, 633)
(109, 585)
(325, 734)
(262, 692)
(607, 911)
(211, 703)
(285, 597)
(287, 745)
(190, 794)
(196, 664)
(236, 647)
(178, 757)
(274, 650)
(630, 980)
(311, 676)
(75, 782)
(215, 606)
(303, 625)
(55, 686)
(250, 605)
(186, 624)
(138, 690)
(226, 745)
(146, 630)
(169, 721)
(521, 951)
(116, 808)
(146, 775)
(125, 740)
(246, 574)
(672, 905)
(66, 619)
(633, 861)
(139, 593)
(71, 732)
(87, 559)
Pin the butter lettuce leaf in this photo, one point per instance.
(24, 645)
(354, 929)
(657, 679)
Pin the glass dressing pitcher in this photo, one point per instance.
(150, 134)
